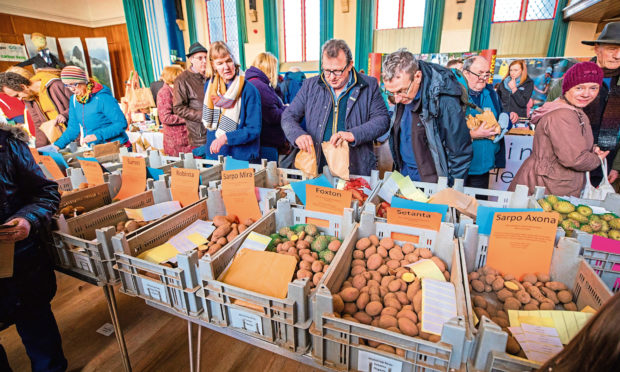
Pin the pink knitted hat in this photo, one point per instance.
(584, 72)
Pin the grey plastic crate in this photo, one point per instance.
(284, 322)
(567, 267)
(605, 264)
(336, 341)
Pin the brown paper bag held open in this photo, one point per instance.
(52, 130)
(307, 164)
(337, 159)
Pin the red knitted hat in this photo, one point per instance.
(72, 75)
(583, 72)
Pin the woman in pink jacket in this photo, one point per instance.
(175, 131)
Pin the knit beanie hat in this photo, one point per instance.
(584, 72)
(72, 75)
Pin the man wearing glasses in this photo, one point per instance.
(340, 105)
(429, 136)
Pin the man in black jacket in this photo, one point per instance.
(429, 137)
(28, 200)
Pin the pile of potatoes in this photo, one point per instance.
(494, 294)
(129, 226)
(227, 228)
(82, 186)
(381, 292)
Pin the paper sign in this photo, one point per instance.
(397, 202)
(184, 185)
(233, 164)
(106, 149)
(484, 216)
(522, 242)
(133, 177)
(371, 362)
(154, 173)
(427, 269)
(58, 158)
(605, 245)
(197, 239)
(537, 321)
(388, 189)
(48, 148)
(327, 200)
(186, 240)
(92, 172)
(256, 242)
(51, 167)
(414, 218)
(239, 194)
(567, 323)
(408, 189)
(538, 343)
(299, 187)
(153, 212)
(159, 254)
(35, 155)
(7, 251)
(438, 305)
(245, 320)
(106, 329)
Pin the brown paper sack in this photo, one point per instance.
(306, 163)
(52, 130)
(106, 149)
(337, 159)
(6, 259)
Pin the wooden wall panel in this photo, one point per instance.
(521, 39)
(13, 28)
(388, 41)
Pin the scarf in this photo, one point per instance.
(507, 80)
(91, 88)
(222, 108)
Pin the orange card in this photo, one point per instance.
(133, 178)
(35, 155)
(327, 200)
(51, 167)
(184, 185)
(239, 195)
(522, 242)
(413, 218)
(92, 171)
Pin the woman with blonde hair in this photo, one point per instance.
(176, 139)
(264, 76)
(231, 110)
(515, 90)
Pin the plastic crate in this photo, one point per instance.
(496, 198)
(567, 267)
(284, 322)
(336, 341)
(605, 264)
(90, 198)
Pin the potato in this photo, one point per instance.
(491, 309)
(402, 298)
(394, 286)
(301, 252)
(231, 218)
(358, 262)
(334, 245)
(349, 294)
(357, 270)
(407, 326)
(550, 294)
(317, 278)
(512, 346)
(446, 276)
(473, 275)
(536, 293)
(503, 294)
(489, 279)
(219, 221)
(387, 321)
(570, 306)
(358, 255)
(393, 264)
(387, 243)
(374, 240)
(131, 225)
(511, 286)
(305, 265)
(362, 301)
(382, 252)
(386, 348)
(417, 302)
(392, 302)
(350, 308)
(242, 228)
(358, 281)
(374, 262)
(480, 312)
(512, 303)
(383, 270)
(479, 301)
(440, 264)
(222, 231)
(337, 303)
(362, 317)
(565, 296)
(362, 244)
(502, 314)
(543, 277)
(405, 313)
(304, 274)
(388, 311)
(531, 306)
(346, 284)
(501, 322)
(498, 283)
(477, 285)
(309, 258)
(547, 305)
(523, 297)
(530, 278)
(304, 245)
(396, 253)
(374, 308)
(411, 257)
(369, 252)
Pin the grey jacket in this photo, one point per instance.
(366, 117)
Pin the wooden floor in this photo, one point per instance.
(156, 341)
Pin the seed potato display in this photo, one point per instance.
(383, 293)
(227, 228)
(493, 294)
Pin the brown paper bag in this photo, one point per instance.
(52, 130)
(466, 204)
(306, 163)
(7, 250)
(106, 149)
(337, 159)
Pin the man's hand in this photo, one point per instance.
(514, 117)
(482, 132)
(304, 142)
(90, 138)
(613, 175)
(339, 137)
(217, 144)
(20, 231)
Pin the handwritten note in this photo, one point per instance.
(327, 200)
(517, 238)
(438, 305)
(133, 178)
(184, 185)
(427, 269)
(567, 323)
(92, 171)
(51, 167)
(239, 194)
(413, 218)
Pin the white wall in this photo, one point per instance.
(88, 13)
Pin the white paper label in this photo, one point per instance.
(106, 329)
(369, 362)
(156, 291)
(244, 320)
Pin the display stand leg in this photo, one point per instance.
(199, 342)
(191, 346)
(108, 290)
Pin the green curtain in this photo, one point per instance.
(327, 21)
(271, 27)
(433, 23)
(138, 39)
(558, 33)
(191, 21)
(481, 29)
(242, 32)
(365, 17)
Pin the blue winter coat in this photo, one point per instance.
(272, 108)
(366, 117)
(101, 116)
(291, 84)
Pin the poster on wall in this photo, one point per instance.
(73, 51)
(32, 50)
(12, 52)
(99, 55)
(518, 148)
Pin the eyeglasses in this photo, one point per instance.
(400, 92)
(335, 72)
(483, 76)
(71, 86)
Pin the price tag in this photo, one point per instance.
(51, 167)
(184, 185)
(327, 200)
(370, 362)
(522, 242)
(247, 321)
(92, 172)
(239, 195)
(413, 218)
(133, 178)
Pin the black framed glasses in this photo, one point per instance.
(335, 72)
(483, 76)
(400, 92)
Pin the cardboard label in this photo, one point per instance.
(371, 362)
(35, 155)
(245, 320)
(327, 200)
(7, 251)
(239, 194)
(154, 290)
(133, 179)
(522, 242)
(184, 185)
(413, 218)
(107, 329)
(92, 172)
(52, 167)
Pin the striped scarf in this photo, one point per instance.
(222, 108)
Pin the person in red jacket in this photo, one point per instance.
(175, 130)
